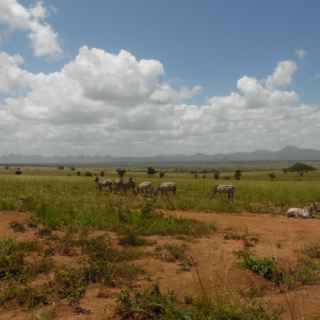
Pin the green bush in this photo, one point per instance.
(152, 304)
(264, 267)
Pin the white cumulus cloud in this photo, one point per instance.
(44, 40)
(104, 103)
(283, 74)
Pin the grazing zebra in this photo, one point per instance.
(305, 213)
(167, 187)
(145, 188)
(124, 186)
(129, 185)
(118, 185)
(230, 190)
(103, 183)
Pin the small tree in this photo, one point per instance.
(7, 167)
(272, 176)
(88, 174)
(72, 168)
(61, 168)
(121, 172)
(102, 173)
(151, 171)
(216, 175)
(204, 176)
(161, 174)
(285, 170)
(301, 168)
(238, 174)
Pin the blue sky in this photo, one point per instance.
(223, 46)
(211, 43)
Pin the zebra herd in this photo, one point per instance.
(143, 188)
(147, 188)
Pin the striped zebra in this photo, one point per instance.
(229, 190)
(103, 183)
(145, 188)
(166, 187)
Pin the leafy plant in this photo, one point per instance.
(264, 267)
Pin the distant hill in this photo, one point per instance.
(286, 154)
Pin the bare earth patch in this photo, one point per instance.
(215, 263)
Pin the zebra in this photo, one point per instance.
(230, 190)
(145, 188)
(166, 187)
(130, 184)
(124, 186)
(103, 183)
(305, 213)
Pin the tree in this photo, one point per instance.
(121, 172)
(216, 175)
(161, 174)
(101, 173)
(285, 170)
(301, 168)
(61, 168)
(151, 171)
(272, 176)
(238, 174)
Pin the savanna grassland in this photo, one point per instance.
(64, 190)
(70, 251)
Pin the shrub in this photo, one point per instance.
(272, 176)
(152, 304)
(301, 167)
(18, 172)
(148, 305)
(132, 239)
(26, 296)
(216, 175)
(11, 260)
(70, 284)
(178, 253)
(88, 174)
(264, 267)
(238, 174)
(151, 171)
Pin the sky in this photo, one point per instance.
(150, 77)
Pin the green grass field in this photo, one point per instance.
(71, 196)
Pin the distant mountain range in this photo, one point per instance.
(286, 154)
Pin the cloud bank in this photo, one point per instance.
(104, 103)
